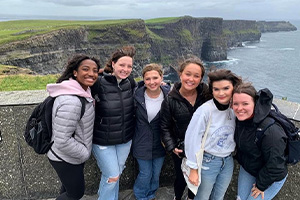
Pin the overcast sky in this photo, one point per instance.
(145, 9)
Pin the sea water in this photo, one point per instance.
(273, 62)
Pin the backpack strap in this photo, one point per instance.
(261, 128)
(82, 100)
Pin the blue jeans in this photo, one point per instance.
(245, 184)
(216, 173)
(147, 181)
(111, 161)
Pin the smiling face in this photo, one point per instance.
(191, 77)
(222, 91)
(87, 73)
(243, 106)
(152, 80)
(123, 67)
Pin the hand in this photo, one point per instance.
(163, 83)
(193, 177)
(101, 71)
(256, 192)
(177, 151)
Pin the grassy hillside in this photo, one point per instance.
(22, 29)
(162, 20)
(15, 78)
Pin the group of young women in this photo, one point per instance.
(151, 118)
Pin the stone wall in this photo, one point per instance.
(26, 175)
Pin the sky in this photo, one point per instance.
(148, 9)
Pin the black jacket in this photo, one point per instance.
(176, 113)
(114, 117)
(266, 163)
(146, 143)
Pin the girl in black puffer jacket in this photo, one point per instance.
(263, 168)
(176, 112)
(114, 120)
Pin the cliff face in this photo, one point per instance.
(163, 42)
(275, 26)
(238, 31)
(48, 53)
(198, 36)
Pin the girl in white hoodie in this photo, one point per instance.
(71, 133)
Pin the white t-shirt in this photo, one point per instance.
(153, 105)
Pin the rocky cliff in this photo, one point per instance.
(158, 40)
(238, 31)
(174, 39)
(48, 53)
(275, 26)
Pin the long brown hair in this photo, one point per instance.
(119, 53)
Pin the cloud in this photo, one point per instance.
(78, 3)
(145, 9)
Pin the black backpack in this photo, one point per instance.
(38, 130)
(292, 132)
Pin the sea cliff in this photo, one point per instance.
(275, 26)
(45, 50)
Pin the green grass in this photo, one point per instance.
(186, 35)
(22, 29)
(29, 82)
(162, 20)
(25, 82)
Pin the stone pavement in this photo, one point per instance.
(163, 193)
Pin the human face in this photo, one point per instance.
(242, 105)
(191, 77)
(86, 74)
(152, 80)
(123, 67)
(222, 91)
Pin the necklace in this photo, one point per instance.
(190, 96)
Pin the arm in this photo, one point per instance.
(66, 115)
(193, 140)
(273, 151)
(194, 134)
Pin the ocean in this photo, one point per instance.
(273, 62)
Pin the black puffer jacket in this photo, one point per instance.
(146, 143)
(114, 116)
(266, 163)
(176, 113)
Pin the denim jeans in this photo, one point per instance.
(111, 161)
(147, 181)
(216, 173)
(245, 184)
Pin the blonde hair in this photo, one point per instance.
(152, 66)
